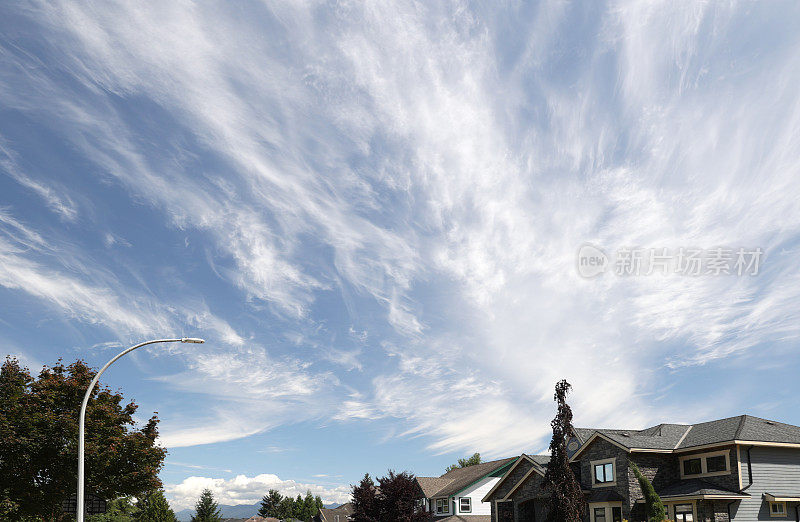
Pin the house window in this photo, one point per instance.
(600, 514)
(465, 504)
(603, 472)
(442, 506)
(616, 514)
(706, 464)
(717, 463)
(692, 466)
(777, 509)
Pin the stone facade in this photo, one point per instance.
(662, 469)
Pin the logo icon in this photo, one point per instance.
(591, 261)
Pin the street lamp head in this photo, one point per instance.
(192, 340)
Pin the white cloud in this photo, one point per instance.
(248, 490)
(411, 154)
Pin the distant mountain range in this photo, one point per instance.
(240, 511)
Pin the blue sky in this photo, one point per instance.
(372, 214)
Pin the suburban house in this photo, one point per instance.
(739, 469)
(458, 494)
(339, 514)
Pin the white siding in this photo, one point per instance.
(476, 492)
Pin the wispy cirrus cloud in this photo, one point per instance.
(442, 164)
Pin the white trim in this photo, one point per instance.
(606, 506)
(461, 506)
(603, 462)
(522, 480)
(703, 464)
(591, 439)
(739, 465)
(436, 506)
(773, 498)
(506, 474)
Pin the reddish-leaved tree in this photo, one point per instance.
(39, 435)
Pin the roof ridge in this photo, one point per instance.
(740, 426)
(683, 437)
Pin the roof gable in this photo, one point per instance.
(460, 478)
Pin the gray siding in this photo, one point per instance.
(775, 471)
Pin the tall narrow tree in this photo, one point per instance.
(654, 508)
(206, 509)
(566, 499)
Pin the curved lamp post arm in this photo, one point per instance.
(81, 503)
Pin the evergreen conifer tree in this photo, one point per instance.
(206, 509)
(270, 504)
(654, 508)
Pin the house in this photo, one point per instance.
(738, 469)
(339, 514)
(457, 495)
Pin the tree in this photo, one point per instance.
(653, 506)
(566, 499)
(310, 508)
(398, 496)
(38, 441)
(287, 508)
(365, 502)
(206, 509)
(463, 463)
(118, 510)
(270, 504)
(155, 508)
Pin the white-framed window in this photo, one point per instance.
(442, 506)
(605, 512)
(604, 472)
(465, 504)
(684, 512)
(777, 509)
(705, 464)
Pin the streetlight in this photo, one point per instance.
(81, 502)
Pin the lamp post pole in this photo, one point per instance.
(81, 502)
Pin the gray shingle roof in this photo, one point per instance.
(683, 436)
(457, 479)
(693, 487)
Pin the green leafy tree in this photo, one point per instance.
(365, 501)
(118, 510)
(270, 504)
(566, 503)
(654, 508)
(155, 508)
(318, 503)
(465, 462)
(206, 509)
(39, 434)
